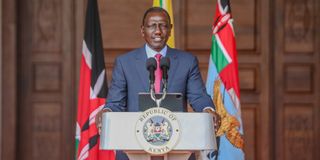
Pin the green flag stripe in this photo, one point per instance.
(161, 3)
(217, 55)
(77, 146)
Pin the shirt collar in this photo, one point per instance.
(151, 53)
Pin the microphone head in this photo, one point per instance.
(165, 63)
(151, 64)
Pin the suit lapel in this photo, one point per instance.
(174, 63)
(140, 60)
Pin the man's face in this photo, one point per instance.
(156, 30)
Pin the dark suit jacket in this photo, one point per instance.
(130, 76)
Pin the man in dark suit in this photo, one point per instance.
(130, 75)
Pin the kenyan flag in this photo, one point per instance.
(92, 89)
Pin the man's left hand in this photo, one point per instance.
(216, 119)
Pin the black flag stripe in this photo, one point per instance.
(94, 43)
(93, 141)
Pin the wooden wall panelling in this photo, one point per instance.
(121, 23)
(298, 131)
(299, 26)
(24, 113)
(68, 95)
(46, 74)
(246, 20)
(47, 135)
(278, 45)
(250, 114)
(47, 26)
(296, 76)
(1, 80)
(179, 12)
(316, 59)
(263, 47)
(80, 9)
(250, 78)
(199, 18)
(8, 80)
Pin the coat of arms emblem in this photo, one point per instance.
(157, 130)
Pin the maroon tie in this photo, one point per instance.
(158, 74)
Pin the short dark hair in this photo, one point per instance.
(155, 9)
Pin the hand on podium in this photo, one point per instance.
(216, 118)
(98, 118)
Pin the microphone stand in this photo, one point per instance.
(153, 95)
(165, 65)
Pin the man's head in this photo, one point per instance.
(156, 27)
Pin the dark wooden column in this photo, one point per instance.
(8, 81)
(46, 78)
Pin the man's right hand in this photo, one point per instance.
(98, 119)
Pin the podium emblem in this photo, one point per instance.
(157, 130)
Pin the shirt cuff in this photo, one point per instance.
(107, 109)
(213, 110)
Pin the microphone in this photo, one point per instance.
(151, 67)
(165, 65)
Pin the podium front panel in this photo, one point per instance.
(118, 131)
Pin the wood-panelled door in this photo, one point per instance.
(296, 78)
(46, 116)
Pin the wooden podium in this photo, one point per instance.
(196, 133)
